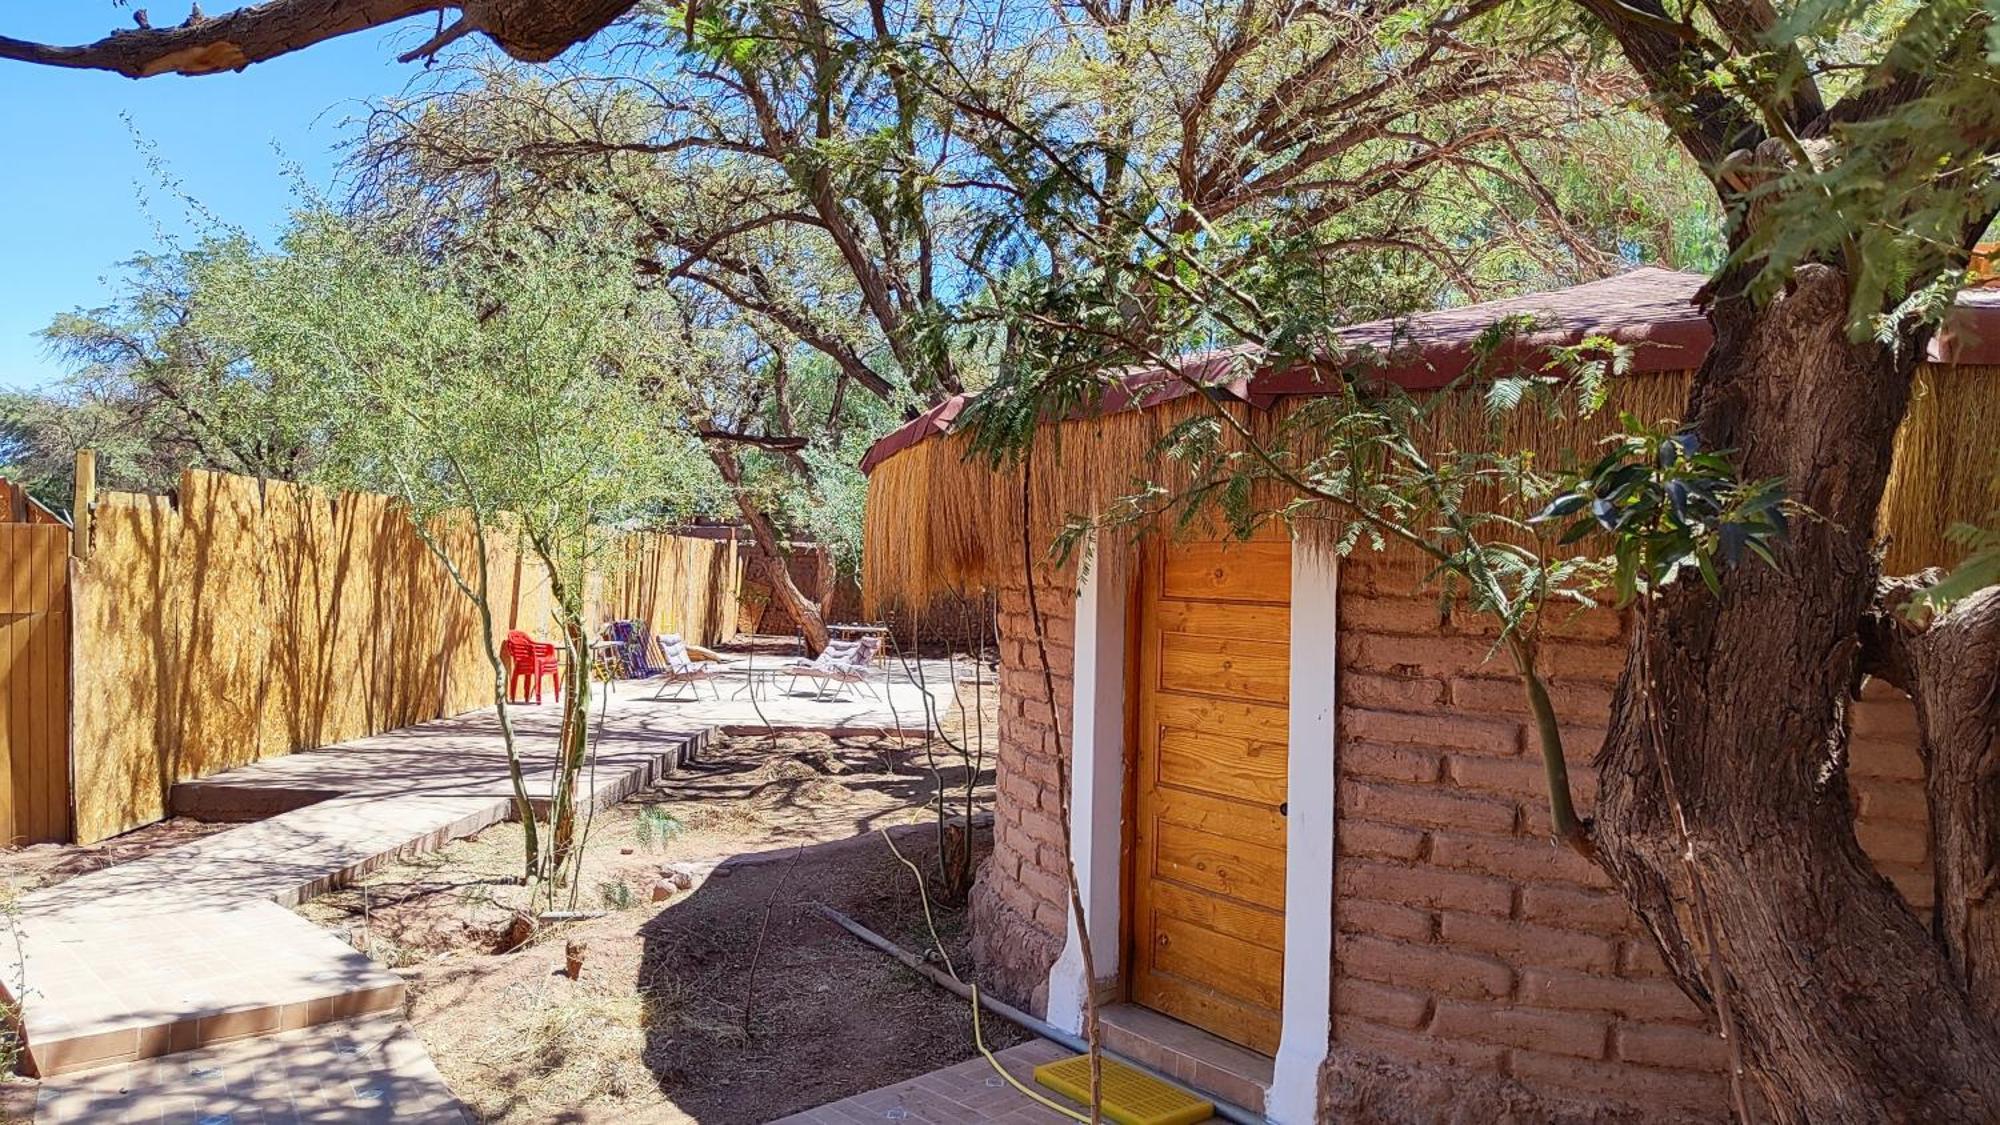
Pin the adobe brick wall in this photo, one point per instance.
(1019, 903)
(1479, 969)
(1475, 960)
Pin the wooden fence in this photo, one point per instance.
(245, 619)
(34, 679)
(16, 506)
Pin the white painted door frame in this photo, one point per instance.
(1306, 1030)
(1097, 788)
(1097, 815)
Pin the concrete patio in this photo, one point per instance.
(193, 947)
(362, 1072)
(899, 700)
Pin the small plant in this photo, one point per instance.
(655, 827)
(616, 895)
(1979, 569)
(12, 1011)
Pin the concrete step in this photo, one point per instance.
(361, 1071)
(194, 945)
(105, 989)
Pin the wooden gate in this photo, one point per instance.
(34, 683)
(1208, 877)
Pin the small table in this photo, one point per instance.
(607, 660)
(756, 679)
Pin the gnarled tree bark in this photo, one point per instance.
(812, 625)
(528, 30)
(1848, 1010)
(1950, 666)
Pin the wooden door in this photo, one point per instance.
(1208, 856)
(34, 683)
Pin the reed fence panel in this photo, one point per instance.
(245, 619)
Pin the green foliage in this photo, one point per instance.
(1668, 506)
(520, 379)
(1979, 569)
(152, 390)
(655, 827)
(616, 896)
(40, 433)
(1856, 135)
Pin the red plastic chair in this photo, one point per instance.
(531, 661)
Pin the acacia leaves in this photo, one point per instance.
(1668, 505)
(1979, 569)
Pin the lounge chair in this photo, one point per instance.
(840, 665)
(682, 670)
(634, 664)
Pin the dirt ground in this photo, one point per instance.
(733, 1001)
(44, 865)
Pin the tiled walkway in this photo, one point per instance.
(194, 945)
(358, 1073)
(897, 700)
(956, 1095)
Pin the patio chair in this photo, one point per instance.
(634, 663)
(530, 662)
(681, 670)
(842, 664)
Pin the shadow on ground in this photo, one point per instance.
(759, 1007)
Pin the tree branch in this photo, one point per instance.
(528, 30)
(774, 442)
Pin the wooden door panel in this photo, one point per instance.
(1228, 572)
(1199, 712)
(1240, 970)
(1211, 747)
(1225, 619)
(1247, 769)
(1253, 1027)
(1230, 667)
(1236, 869)
(1233, 820)
(1246, 923)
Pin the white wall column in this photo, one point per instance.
(1307, 1029)
(1097, 787)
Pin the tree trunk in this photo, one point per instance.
(1950, 666)
(1846, 1008)
(828, 577)
(812, 627)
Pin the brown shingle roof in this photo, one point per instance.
(1649, 309)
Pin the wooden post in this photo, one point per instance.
(734, 600)
(85, 499)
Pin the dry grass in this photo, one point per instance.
(940, 524)
(39, 866)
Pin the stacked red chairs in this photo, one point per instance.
(530, 662)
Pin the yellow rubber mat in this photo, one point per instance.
(1131, 1097)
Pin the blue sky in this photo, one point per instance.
(70, 195)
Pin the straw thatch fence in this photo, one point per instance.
(243, 619)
